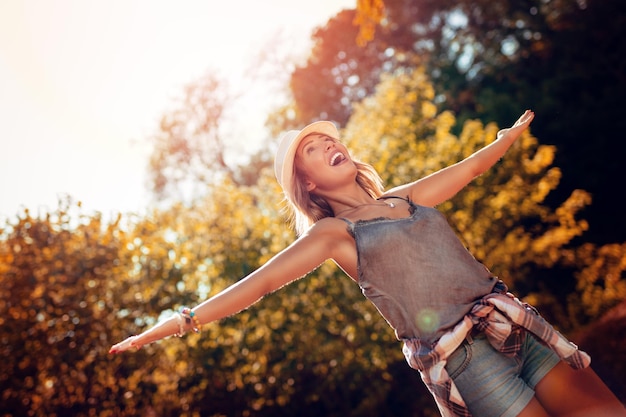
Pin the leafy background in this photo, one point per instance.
(414, 86)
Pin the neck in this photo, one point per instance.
(342, 202)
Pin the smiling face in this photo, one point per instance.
(324, 161)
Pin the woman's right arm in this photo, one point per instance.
(301, 257)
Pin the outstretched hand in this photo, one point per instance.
(125, 345)
(165, 328)
(519, 126)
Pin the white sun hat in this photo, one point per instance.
(286, 153)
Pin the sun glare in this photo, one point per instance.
(85, 83)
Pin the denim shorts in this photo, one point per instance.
(495, 385)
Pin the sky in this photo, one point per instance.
(83, 84)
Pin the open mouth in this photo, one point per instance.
(337, 159)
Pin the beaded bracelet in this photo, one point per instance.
(190, 317)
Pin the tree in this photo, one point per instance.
(189, 150)
(502, 217)
(345, 72)
(488, 60)
(58, 295)
(71, 285)
(257, 362)
(573, 76)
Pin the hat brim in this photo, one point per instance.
(286, 153)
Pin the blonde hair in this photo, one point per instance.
(307, 208)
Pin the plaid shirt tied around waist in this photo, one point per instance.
(503, 318)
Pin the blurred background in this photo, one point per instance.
(137, 142)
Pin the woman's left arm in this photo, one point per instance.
(445, 183)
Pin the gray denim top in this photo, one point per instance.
(417, 272)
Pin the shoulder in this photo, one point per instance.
(323, 240)
(327, 226)
(334, 236)
(329, 231)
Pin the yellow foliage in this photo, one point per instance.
(72, 285)
(601, 279)
(369, 13)
(397, 131)
(388, 141)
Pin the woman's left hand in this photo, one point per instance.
(520, 125)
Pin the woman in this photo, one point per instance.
(469, 338)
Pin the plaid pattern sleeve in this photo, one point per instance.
(503, 318)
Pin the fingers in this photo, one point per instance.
(529, 115)
(520, 124)
(525, 118)
(124, 345)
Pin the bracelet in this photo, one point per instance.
(181, 325)
(190, 317)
